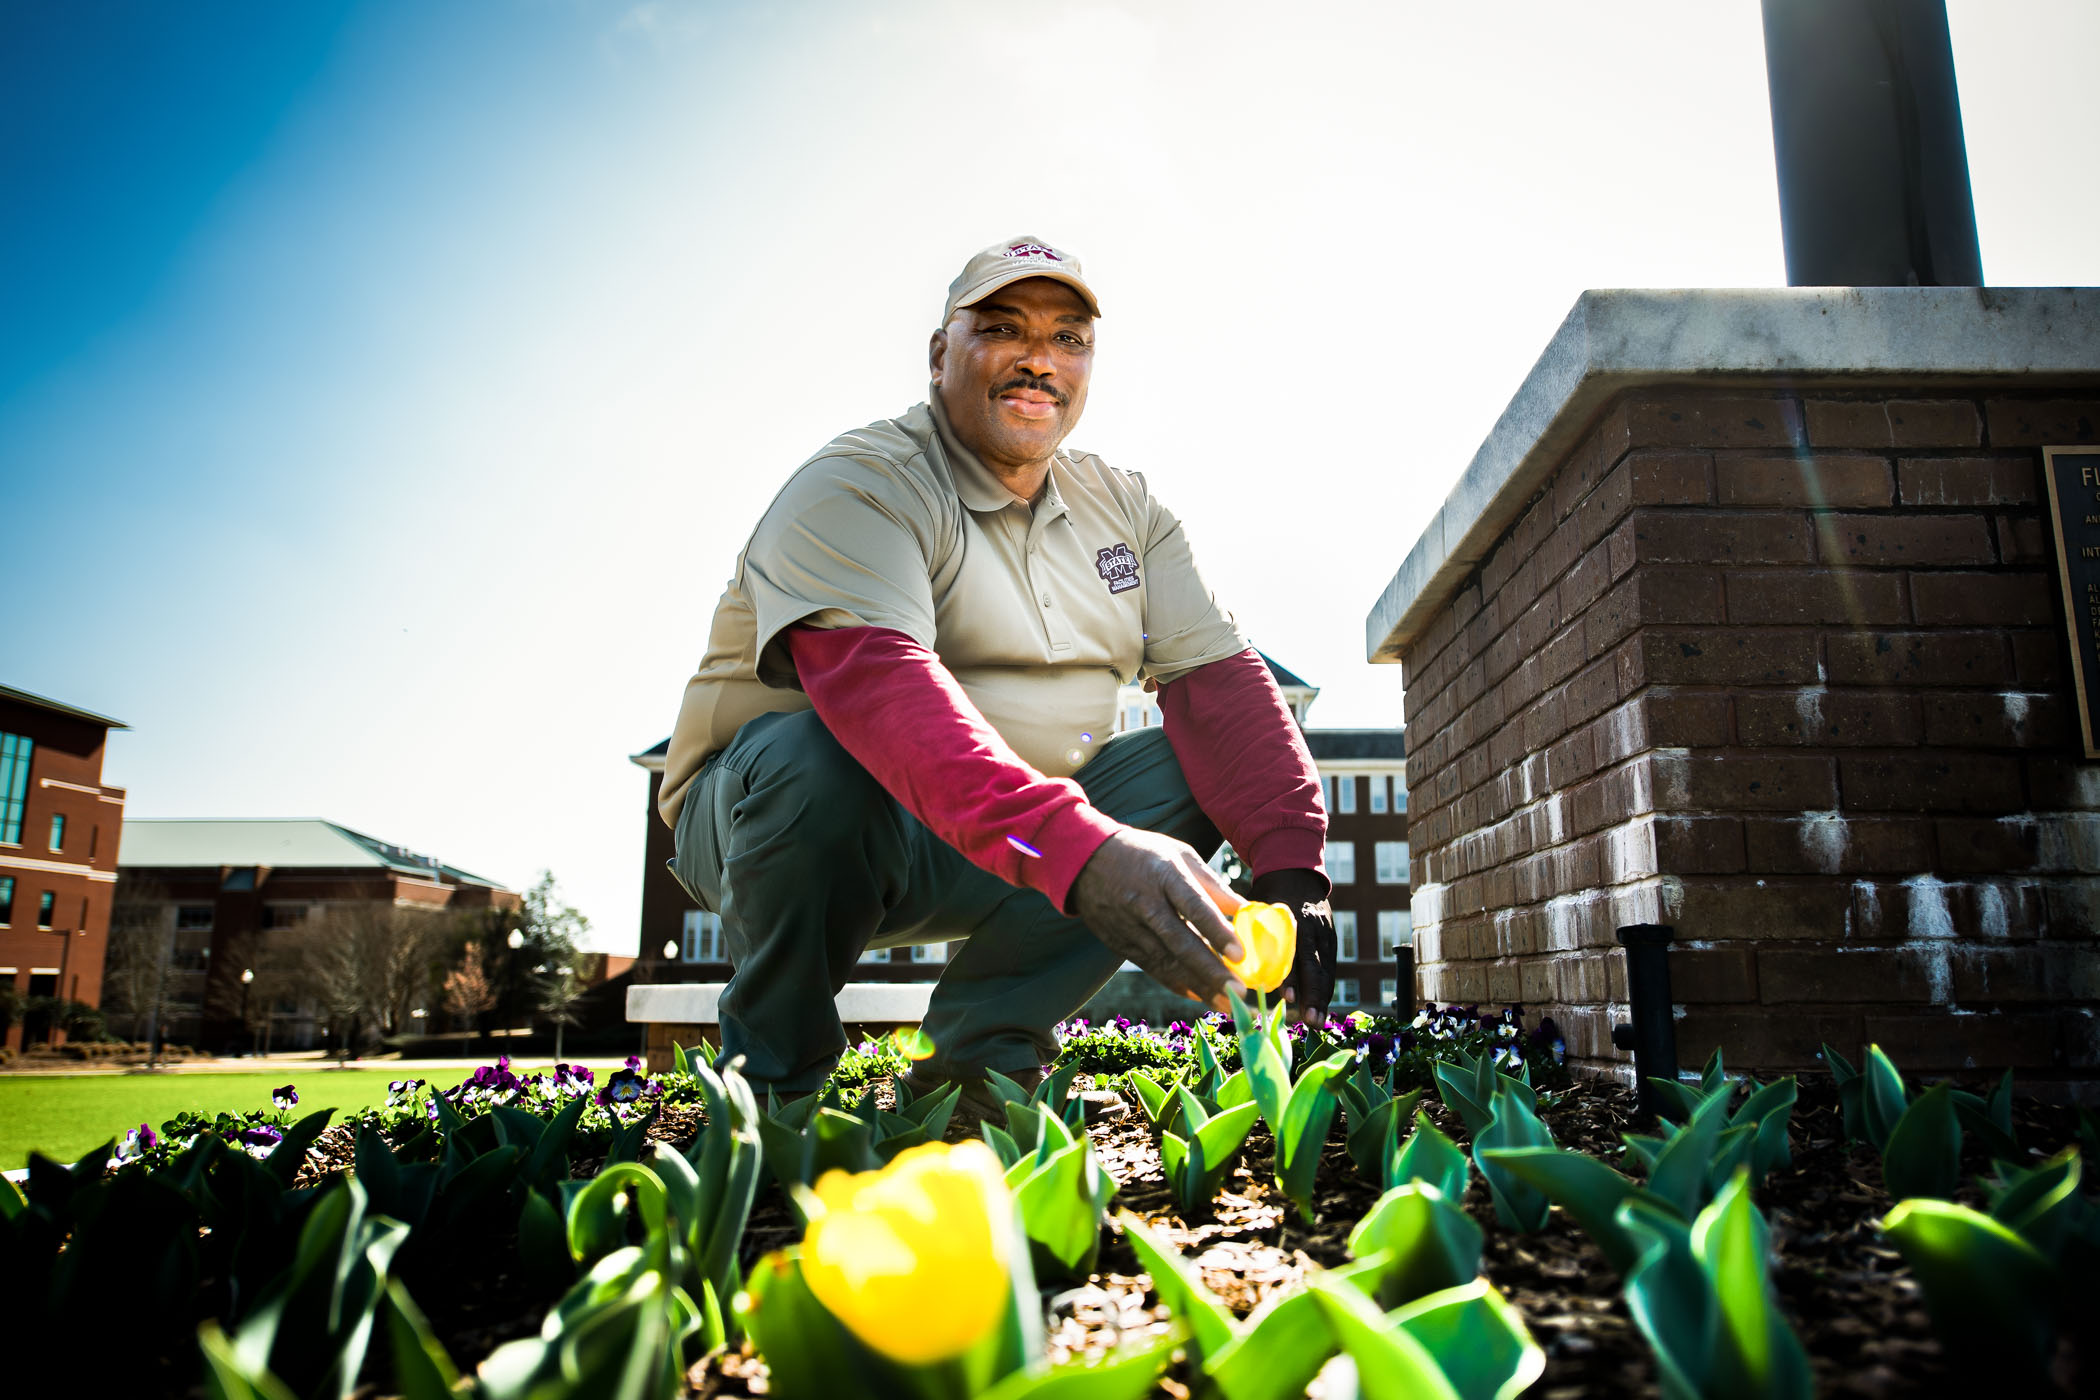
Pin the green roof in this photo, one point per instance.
(280, 844)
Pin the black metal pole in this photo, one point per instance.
(1867, 137)
(1652, 1035)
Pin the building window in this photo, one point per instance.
(46, 902)
(1392, 862)
(1345, 993)
(702, 941)
(1341, 862)
(929, 952)
(1400, 793)
(193, 918)
(875, 955)
(1345, 794)
(276, 916)
(15, 750)
(1345, 935)
(1396, 929)
(7, 900)
(58, 831)
(1380, 784)
(1388, 990)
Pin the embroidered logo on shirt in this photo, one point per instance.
(1033, 250)
(1118, 567)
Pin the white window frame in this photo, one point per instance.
(1392, 924)
(929, 952)
(1381, 793)
(701, 938)
(1391, 858)
(1345, 935)
(1346, 991)
(1388, 990)
(1341, 862)
(1345, 794)
(874, 955)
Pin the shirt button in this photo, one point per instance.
(1046, 600)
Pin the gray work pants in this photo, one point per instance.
(809, 862)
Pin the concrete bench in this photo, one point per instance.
(686, 1013)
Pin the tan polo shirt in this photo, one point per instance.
(1039, 613)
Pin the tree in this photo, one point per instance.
(366, 966)
(469, 992)
(530, 956)
(135, 971)
(545, 957)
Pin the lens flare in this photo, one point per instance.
(1023, 847)
(912, 1043)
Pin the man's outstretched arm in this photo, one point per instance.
(890, 703)
(1251, 773)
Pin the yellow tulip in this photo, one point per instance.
(913, 1258)
(1269, 939)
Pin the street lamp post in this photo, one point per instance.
(247, 981)
(516, 939)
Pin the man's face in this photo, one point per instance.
(1012, 370)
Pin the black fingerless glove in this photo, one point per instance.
(1304, 893)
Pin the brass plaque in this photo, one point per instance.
(2073, 474)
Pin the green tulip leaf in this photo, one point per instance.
(1922, 1156)
(1430, 1156)
(1477, 1338)
(1518, 1206)
(2043, 1205)
(1276, 1353)
(1181, 1289)
(1390, 1363)
(1671, 1298)
(1582, 1186)
(1427, 1242)
(1883, 1100)
(1307, 1115)
(423, 1370)
(1679, 1174)
(1760, 1351)
(598, 1214)
(1455, 1086)
(1128, 1373)
(1993, 1296)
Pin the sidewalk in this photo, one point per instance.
(302, 1062)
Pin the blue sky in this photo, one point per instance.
(386, 387)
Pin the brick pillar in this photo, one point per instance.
(1785, 670)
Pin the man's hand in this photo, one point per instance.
(1152, 899)
(1310, 986)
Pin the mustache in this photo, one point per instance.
(1040, 386)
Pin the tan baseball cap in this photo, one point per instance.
(1011, 261)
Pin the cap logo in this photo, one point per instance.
(1118, 567)
(1034, 250)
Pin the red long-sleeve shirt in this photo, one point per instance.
(893, 706)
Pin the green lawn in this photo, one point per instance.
(63, 1115)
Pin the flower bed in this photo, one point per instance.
(547, 1230)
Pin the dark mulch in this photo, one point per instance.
(1857, 1311)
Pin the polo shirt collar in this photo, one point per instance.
(974, 482)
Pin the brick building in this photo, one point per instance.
(213, 889)
(1364, 778)
(58, 854)
(1744, 621)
